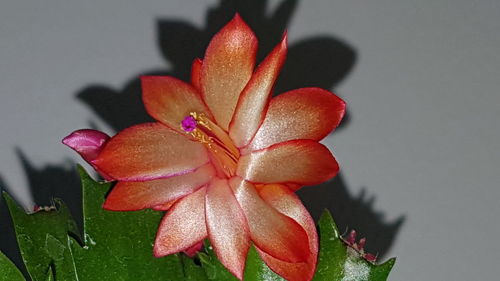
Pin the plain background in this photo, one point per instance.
(419, 149)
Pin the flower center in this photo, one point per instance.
(223, 152)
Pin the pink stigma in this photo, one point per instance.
(188, 124)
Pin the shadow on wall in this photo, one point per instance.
(54, 181)
(319, 61)
(353, 212)
(8, 243)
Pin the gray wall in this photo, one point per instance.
(419, 151)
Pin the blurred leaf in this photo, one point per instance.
(193, 271)
(339, 262)
(257, 270)
(50, 275)
(213, 267)
(8, 271)
(43, 239)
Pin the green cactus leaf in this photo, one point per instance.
(43, 239)
(213, 267)
(8, 271)
(257, 270)
(193, 271)
(119, 245)
(115, 245)
(339, 262)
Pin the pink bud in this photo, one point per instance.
(88, 143)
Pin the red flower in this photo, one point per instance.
(225, 159)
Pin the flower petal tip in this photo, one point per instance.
(342, 106)
(108, 205)
(238, 23)
(237, 18)
(283, 47)
(284, 38)
(157, 253)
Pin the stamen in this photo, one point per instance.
(216, 132)
(203, 130)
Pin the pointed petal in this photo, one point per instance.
(183, 226)
(149, 151)
(227, 67)
(88, 143)
(307, 113)
(132, 196)
(196, 73)
(304, 162)
(170, 100)
(286, 202)
(271, 231)
(227, 227)
(254, 99)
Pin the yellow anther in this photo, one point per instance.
(216, 140)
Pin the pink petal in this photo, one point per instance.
(131, 196)
(227, 227)
(303, 162)
(227, 67)
(170, 100)
(254, 99)
(88, 143)
(271, 231)
(285, 201)
(196, 73)
(307, 113)
(150, 151)
(183, 226)
(165, 206)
